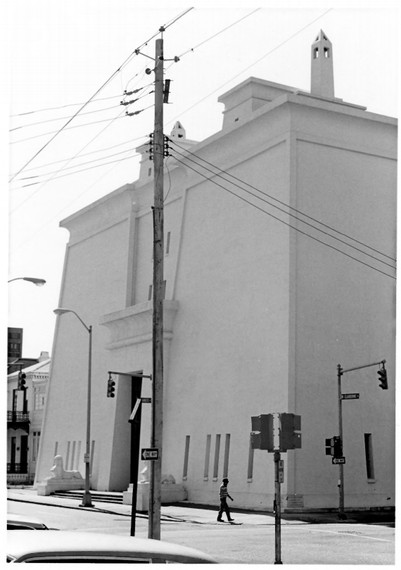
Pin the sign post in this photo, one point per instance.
(277, 507)
(275, 433)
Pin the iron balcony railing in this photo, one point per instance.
(17, 417)
(17, 467)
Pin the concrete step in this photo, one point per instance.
(99, 496)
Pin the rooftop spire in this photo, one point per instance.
(322, 74)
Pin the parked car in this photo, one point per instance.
(90, 547)
(22, 522)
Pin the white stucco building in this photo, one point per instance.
(280, 234)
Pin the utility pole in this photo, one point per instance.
(158, 295)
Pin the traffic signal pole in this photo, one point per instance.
(340, 372)
(158, 294)
(341, 513)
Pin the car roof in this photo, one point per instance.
(22, 543)
(16, 519)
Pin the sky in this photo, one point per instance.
(69, 142)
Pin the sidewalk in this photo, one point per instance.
(201, 514)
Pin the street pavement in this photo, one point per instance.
(187, 512)
(307, 538)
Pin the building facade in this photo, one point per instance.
(279, 266)
(24, 419)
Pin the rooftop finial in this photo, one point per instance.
(322, 73)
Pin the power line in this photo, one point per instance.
(77, 126)
(76, 154)
(218, 33)
(252, 64)
(297, 218)
(66, 129)
(79, 165)
(82, 114)
(63, 106)
(86, 154)
(43, 226)
(82, 169)
(57, 119)
(282, 221)
(135, 52)
(299, 212)
(174, 20)
(118, 95)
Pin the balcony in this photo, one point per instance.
(17, 468)
(18, 420)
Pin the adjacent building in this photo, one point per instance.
(24, 419)
(280, 234)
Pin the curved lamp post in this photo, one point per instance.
(87, 499)
(34, 280)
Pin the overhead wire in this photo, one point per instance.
(184, 53)
(130, 141)
(57, 119)
(56, 216)
(297, 211)
(68, 161)
(134, 53)
(82, 114)
(63, 106)
(120, 115)
(45, 174)
(77, 126)
(174, 20)
(66, 129)
(218, 33)
(84, 169)
(185, 163)
(251, 65)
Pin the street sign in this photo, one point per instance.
(135, 409)
(354, 396)
(337, 460)
(149, 453)
(146, 400)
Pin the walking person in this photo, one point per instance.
(223, 492)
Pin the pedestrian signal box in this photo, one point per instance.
(276, 432)
(262, 432)
(290, 432)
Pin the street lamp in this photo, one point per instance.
(34, 280)
(87, 499)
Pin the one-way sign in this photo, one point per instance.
(149, 453)
(337, 460)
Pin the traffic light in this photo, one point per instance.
(262, 432)
(21, 380)
(110, 387)
(290, 437)
(383, 378)
(337, 446)
(334, 446)
(329, 446)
